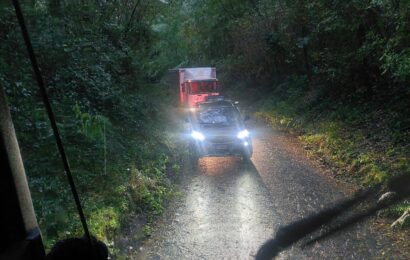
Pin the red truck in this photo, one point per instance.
(196, 84)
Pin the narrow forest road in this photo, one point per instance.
(228, 210)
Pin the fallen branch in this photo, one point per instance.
(400, 221)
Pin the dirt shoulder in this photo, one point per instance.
(380, 225)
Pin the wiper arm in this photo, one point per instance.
(349, 222)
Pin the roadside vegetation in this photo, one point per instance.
(95, 59)
(359, 145)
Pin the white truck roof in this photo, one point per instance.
(203, 73)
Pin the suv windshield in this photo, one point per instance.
(216, 116)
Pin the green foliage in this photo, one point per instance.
(372, 155)
(398, 211)
(95, 59)
(349, 50)
(358, 143)
(93, 127)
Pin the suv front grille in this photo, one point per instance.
(221, 139)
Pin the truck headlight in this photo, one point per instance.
(197, 135)
(243, 134)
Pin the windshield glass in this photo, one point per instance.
(266, 116)
(203, 87)
(217, 116)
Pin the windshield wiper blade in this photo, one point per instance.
(349, 222)
(292, 233)
(400, 186)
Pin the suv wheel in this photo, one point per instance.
(193, 155)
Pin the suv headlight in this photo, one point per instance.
(197, 135)
(243, 134)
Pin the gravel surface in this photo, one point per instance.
(230, 208)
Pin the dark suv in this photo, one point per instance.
(217, 129)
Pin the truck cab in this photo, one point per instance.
(197, 91)
(196, 84)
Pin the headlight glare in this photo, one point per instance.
(197, 135)
(243, 134)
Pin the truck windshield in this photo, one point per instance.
(203, 87)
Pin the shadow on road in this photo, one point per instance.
(293, 232)
(218, 172)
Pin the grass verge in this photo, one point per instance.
(359, 144)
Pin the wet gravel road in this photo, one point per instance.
(229, 209)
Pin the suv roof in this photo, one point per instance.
(214, 98)
(218, 103)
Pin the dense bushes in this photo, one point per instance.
(348, 49)
(93, 57)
